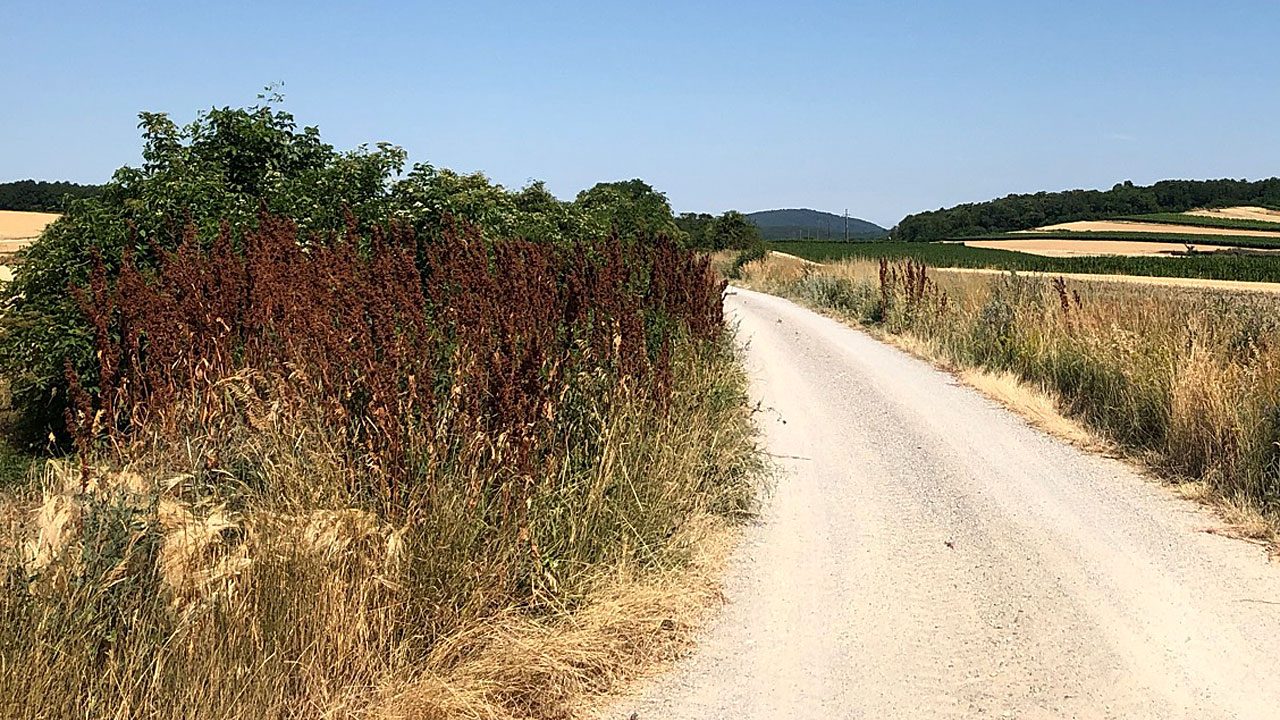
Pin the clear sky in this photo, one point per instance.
(884, 108)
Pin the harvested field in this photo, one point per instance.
(21, 226)
(1060, 247)
(1245, 212)
(1139, 227)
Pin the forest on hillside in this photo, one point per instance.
(1023, 212)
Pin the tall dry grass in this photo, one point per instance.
(373, 478)
(1188, 379)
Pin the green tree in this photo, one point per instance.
(732, 230)
(694, 226)
(629, 208)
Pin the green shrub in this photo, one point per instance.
(229, 166)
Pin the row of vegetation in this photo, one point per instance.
(1209, 266)
(1023, 212)
(350, 443)
(232, 164)
(41, 196)
(1187, 379)
(729, 231)
(1225, 223)
(1181, 238)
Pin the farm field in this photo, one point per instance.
(17, 231)
(1176, 238)
(1217, 266)
(1069, 247)
(1214, 221)
(1130, 226)
(1246, 212)
(22, 226)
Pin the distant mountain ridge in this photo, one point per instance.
(803, 223)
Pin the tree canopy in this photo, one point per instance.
(729, 231)
(41, 196)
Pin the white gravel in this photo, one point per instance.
(927, 554)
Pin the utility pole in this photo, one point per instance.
(846, 224)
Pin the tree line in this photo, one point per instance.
(1023, 212)
(41, 196)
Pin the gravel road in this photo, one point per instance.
(927, 554)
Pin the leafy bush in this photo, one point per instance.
(224, 169)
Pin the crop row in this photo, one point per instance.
(1223, 266)
(1244, 241)
(1204, 221)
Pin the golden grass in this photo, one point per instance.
(1147, 227)
(1040, 408)
(150, 593)
(17, 228)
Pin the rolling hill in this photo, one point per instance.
(797, 224)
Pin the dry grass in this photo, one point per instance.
(18, 229)
(309, 491)
(1184, 380)
(147, 597)
(1037, 406)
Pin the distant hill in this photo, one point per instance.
(40, 196)
(1023, 212)
(797, 224)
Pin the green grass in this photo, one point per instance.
(1254, 268)
(1202, 221)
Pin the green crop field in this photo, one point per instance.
(1254, 268)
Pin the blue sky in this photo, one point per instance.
(883, 108)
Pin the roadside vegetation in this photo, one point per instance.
(1188, 380)
(319, 439)
(1215, 266)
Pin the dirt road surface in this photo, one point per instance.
(926, 554)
